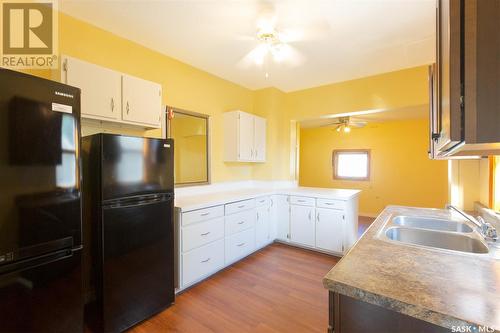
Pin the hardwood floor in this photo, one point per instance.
(363, 223)
(277, 289)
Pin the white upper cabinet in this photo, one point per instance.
(245, 126)
(244, 137)
(113, 96)
(141, 101)
(259, 139)
(101, 88)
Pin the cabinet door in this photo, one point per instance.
(260, 140)
(280, 216)
(101, 88)
(449, 124)
(329, 229)
(302, 225)
(246, 136)
(141, 101)
(262, 227)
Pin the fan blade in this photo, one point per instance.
(245, 38)
(358, 124)
(331, 124)
(290, 55)
(255, 57)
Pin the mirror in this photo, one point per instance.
(190, 132)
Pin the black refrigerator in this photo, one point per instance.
(40, 206)
(128, 217)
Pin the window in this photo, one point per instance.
(190, 131)
(351, 164)
(495, 183)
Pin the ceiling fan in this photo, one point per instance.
(345, 124)
(274, 41)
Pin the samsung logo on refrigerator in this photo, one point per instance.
(58, 93)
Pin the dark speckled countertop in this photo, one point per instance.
(446, 288)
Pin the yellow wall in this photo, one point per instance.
(192, 89)
(401, 171)
(270, 104)
(388, 91)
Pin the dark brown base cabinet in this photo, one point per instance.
(348, 315)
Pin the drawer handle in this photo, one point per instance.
(330, 203)
(301, 200)
(241, 206)
(205, 214)
(262, 201)
(241, 222)
(241, 244)
(206, 260)
(206, 233)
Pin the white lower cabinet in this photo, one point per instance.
(263, 226)
(280, 217)
(241, 221)
(212, 238)
(329, 229)
(240, 245)
(302, 225)
(198, 234)
(201, 262)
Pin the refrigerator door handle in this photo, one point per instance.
(137, 202)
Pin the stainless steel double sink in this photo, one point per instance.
(434, 232)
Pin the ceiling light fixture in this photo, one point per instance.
(343, 126)
(272, 44)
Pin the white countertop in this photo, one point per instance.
(192, 202)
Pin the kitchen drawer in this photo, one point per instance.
(202, 261)
(202, 214)
(239, 206)
(240, 221)
(330, 203)
(263, 201)
(304, 201)
(202, 233)
(240, 245)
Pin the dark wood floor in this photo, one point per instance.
(277, 289)
(363, 224)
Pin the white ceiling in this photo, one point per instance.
(342, 39)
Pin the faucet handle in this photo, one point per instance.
(488, 230)
(491, 232)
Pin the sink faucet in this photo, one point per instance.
(486, 229)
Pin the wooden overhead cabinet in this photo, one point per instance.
(465, 82)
